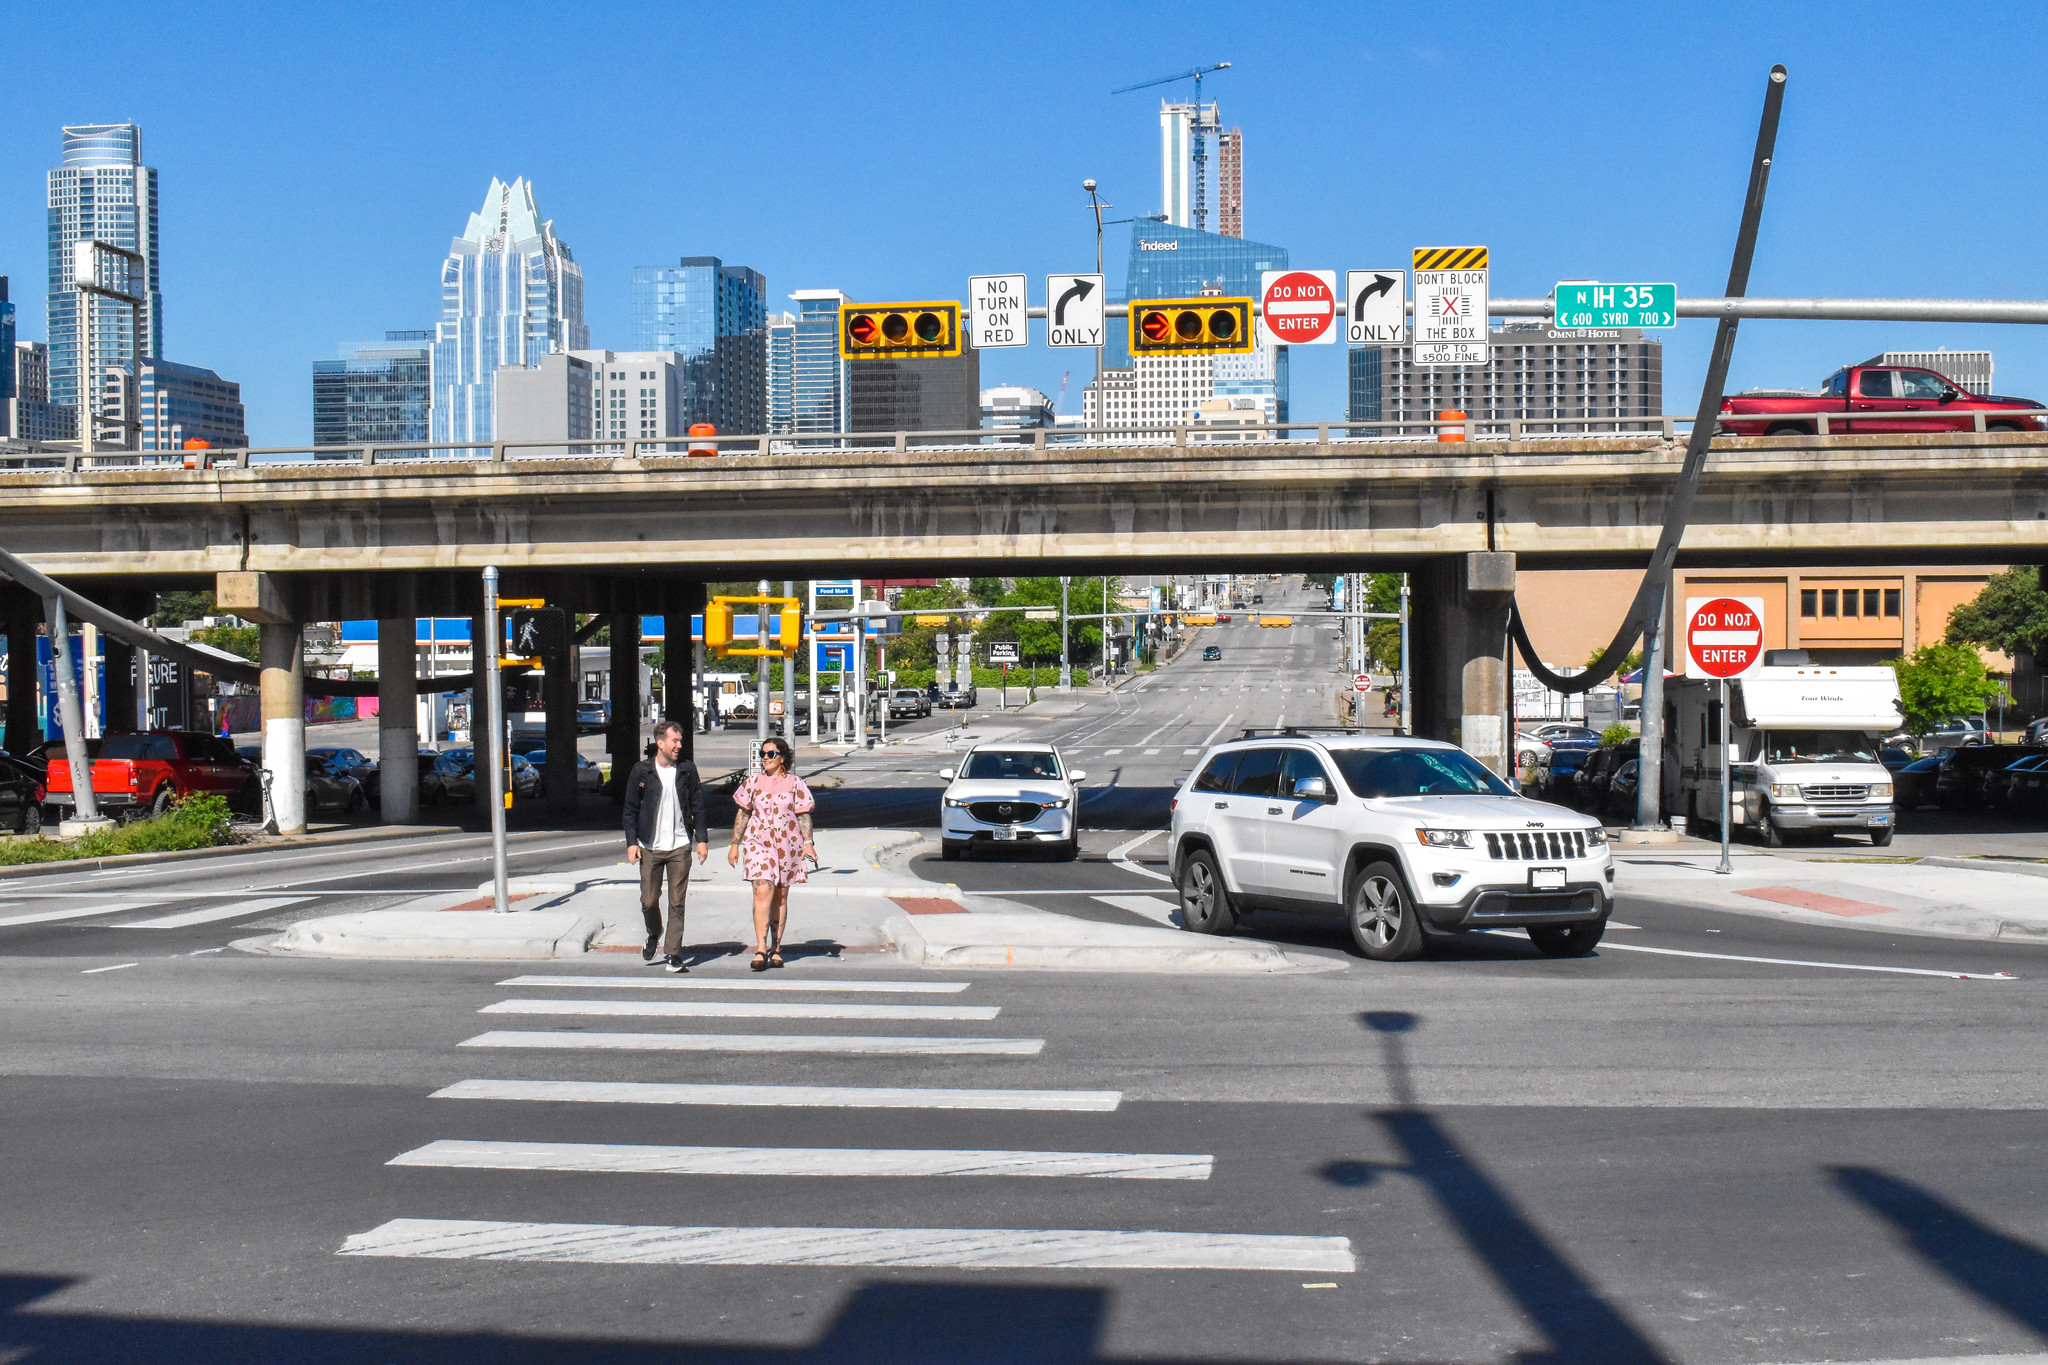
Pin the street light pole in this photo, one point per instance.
(1066, 677)
(1095, 203)
(492, 694)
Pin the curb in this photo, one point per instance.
(2016, 868)
(269, 844)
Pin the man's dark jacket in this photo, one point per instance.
(643, 802)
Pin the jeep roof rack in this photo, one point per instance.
(1297, 731)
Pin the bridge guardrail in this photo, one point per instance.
(1183, 436)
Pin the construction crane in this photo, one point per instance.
(1199, 127)
(1063, 390)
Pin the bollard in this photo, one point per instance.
(1452, 425)
(698, 429)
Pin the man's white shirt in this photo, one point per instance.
(669, 832)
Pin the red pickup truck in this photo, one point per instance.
(137, 772)
(1876, 398)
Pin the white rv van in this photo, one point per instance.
(1805, 748)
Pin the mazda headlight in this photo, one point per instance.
(951, 801)
(1445, 838)
(1060, 804)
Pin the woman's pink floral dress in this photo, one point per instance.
(772, 849)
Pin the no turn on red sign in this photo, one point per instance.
(1724, 636)
(1300, 307)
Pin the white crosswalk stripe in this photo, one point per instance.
(232, 910)
(962, 1248)
(771, 983)
(1151, 907)
(811, 1161)
(742, 1009)
(759, 1042)
(74, 912)
(780, 1096)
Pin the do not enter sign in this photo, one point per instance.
(1724, 636)
(1300, 307)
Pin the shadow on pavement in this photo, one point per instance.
(2008, 1274)
(899, 1323)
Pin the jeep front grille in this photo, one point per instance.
(1533, 845)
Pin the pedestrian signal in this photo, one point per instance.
(792, 631)
(540, 632)
(898, 331)
(718, 627)
(1191, 327)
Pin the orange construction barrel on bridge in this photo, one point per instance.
(1451, 425)
(706, 447)
(193, 461)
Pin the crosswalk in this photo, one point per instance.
(65, 907)
(515, 1157)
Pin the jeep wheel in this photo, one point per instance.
(1382, 919)
(1567, 940)
(1204, 899)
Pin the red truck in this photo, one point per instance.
(139, 772)
(1876, 398)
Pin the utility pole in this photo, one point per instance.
(1066, 678)
(495, 691)
(789, 651)
(1407, 699)
(761, 671)
(1650, 749)
(1095, 203)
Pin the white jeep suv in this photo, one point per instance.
(1010, 794)
(1402, 837)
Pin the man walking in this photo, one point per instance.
(664, 815)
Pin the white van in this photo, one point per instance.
(1805, 748)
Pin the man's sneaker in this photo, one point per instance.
(675, 963)
(650, 952)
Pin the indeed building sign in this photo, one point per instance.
(1144, 245)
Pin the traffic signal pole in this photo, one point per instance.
(495, 690)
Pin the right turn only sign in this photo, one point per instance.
(1724, 636)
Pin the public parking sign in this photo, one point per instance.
(1584, 303)
(1299, 307)
(1002, 652)
(1724, 636)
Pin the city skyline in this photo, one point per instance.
(260, 283)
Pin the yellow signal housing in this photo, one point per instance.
(718, 628)
(1202, 326)
(899, 331)
(792, 631)
(718, 625)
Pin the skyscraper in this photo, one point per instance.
(102, 192)
(181, 403)
(511, 292)
(781, 373)
(716, 316)
(820, 391)
(1534, 371)
(376, 393)
(6, 348)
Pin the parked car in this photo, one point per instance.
(908, 703)
(1010, 794)
(1957, 732)
(332, 788)
(1557, 764)
(1212, 654)
(1619, 803)
(1399, 838)
(354, 762)
(2029, 792)
(2000, 783)
(593, 717)
(960, 698)
(589, 776)
(1876, 398)
(1588, 789)
(1962, 781)
(21, 794)
(2037, 731)
(1913, 785)
(138, 772)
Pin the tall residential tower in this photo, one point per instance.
(716, 316)
(102, 192)
(511, 293)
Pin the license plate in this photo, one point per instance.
(1006, 834)
(1546, 879)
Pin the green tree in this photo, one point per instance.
(914, 648)
(1632, 661)
(2010, 614)
(238, 640)
(1943, 681)
(985, 592)
(1326, 581)
(176, 608)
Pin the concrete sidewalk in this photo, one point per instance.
(862, 900)
(1945, 896)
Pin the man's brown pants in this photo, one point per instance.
(674, 868)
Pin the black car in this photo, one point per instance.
(1966, 772)
(1587, 787)
(1211, 654)
(21, 794)
(1913, 785)
(2000, 785)
(1620, 801)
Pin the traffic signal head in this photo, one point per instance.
(718, 627)
(1206, 326)
(898, 331)
(792, 632)
(540, 632)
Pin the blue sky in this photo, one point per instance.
(316, 160)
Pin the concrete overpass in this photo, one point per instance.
(348, 538)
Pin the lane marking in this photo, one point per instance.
(1121, 857)
(1111, 753)
(1156, 908)
(1149, 752)
(1220, 727)
(966, 1248)
(778, 983)
(781, 1096)
(212, 913)
(760, 1042)
(1184, 753)
(75, 912)
(742, 1009)
(803, 1161)
(94, 971)
(1796, 962)
(1160, 731)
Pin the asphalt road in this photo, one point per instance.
(1720, 1138)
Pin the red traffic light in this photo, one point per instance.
(1156, 326)
(883, 331)
(863, 328)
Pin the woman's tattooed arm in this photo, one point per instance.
(803, 822)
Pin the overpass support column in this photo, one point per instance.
(1460, 636)
(281, 655)
(624, 731)
(398, 730)
(24, 670)
(558, 704)
(679, 602)
(123, 684)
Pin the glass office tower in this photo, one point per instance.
(820, 391)
(781, 373)
(6, 351)
(102, 192)
(376, 393)
(1172, 262)
(716, 317)
(511, 292)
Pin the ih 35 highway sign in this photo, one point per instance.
(1588, 303)
(1450, 305)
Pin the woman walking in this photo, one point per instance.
(773, 829)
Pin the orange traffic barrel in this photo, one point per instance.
(1451, 425)
(707, 447)
(195, 443)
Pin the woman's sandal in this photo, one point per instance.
(760, 962)
(775, 956)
